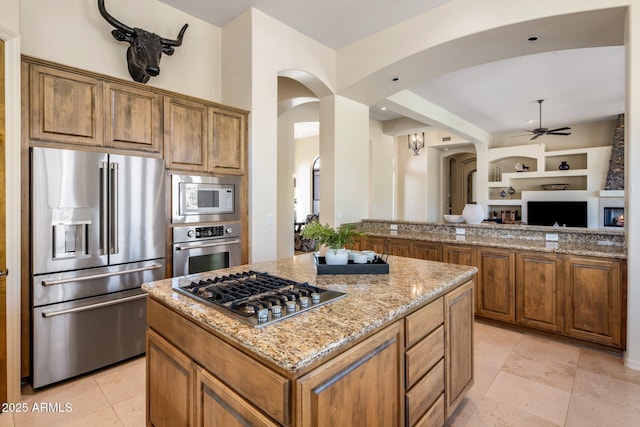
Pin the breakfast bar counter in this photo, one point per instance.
(379, 352)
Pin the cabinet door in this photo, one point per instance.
(65, 107)
(185, 135)
(362, 386)
(376, 244)
(171, 386)
(133, 120)
(458, 325)
(431, 251)
(218, 405)
(399, 247)
(462, 255)
(495, 291)
(227, 139)
(539, 290)
(593, 299)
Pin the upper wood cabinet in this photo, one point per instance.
(539, 290)
(227, 135)
(185, 135)
(65, 107)
(133, 118)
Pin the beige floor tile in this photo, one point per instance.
(492, 413)
(132, 411)
(483, 376)
(106, 417)
(529, 396)
(586, 412)
(496, 335)
(83, 397)
(608, 364)
(6, 420)
(555, 374)
(535, 347)
(122, 381)
(607, 390)
(463, 413)
(490, 354)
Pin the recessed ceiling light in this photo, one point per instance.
(532, 38)
(530, 121)
(383, 108)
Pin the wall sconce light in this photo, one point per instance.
(415, 143)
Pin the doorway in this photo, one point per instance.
(460, 182)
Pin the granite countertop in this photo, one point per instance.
(594, 248)
(298, 341)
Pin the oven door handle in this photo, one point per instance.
(99, 276)
(207, 245)
(48, 314)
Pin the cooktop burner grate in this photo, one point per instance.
(258, 298)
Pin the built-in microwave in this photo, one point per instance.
(197, 198)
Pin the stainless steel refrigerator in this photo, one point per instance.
(97, 233)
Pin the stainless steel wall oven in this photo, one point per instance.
(206, 247)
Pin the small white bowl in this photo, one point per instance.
(370, 255)
(360, 258)
(454, 219)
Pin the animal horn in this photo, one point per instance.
(178, 41)
(113, 21)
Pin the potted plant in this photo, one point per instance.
(335, 239)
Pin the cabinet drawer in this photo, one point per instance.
(420, 324)
(434, 416)
(422, 356)
(424, 393)
(252, 380)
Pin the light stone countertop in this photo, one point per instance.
(296, 342)
(591, 248)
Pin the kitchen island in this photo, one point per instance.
(397, 350)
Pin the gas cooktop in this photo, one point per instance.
(258, 299)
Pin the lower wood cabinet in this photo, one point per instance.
(539, 290)
(593, 300)
(399, 247)
(458, 323)
(431, 251)
(376, 244)
(359, 387)
(459, 254)
(495, 290)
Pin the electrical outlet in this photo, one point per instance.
(551, 237)
(461, 231)
(393, 227)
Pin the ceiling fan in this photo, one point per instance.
(546, 131)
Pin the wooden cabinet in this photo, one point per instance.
(133, 119)
(458, 325)
(218, 405)
(399, 247)
(539, 290)
(65, 107)
(593, 298)
(431, 251)
(458, 254)
(227, 135)
(185, 135)
(376, 244)
(495, 290)
(362, 386)
(175, 405)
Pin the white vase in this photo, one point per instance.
(473, 214)
(336, 256)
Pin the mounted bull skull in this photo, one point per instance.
(145, 48)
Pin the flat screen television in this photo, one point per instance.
(571, 214)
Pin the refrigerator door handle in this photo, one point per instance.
(104, 208)
(99, 276)
(47, 314)
(114, 207)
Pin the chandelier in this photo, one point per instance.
(415, 143)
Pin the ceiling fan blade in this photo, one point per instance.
(556, 130)
(558, 133)
(535, 136)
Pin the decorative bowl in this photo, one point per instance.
(454, 219)
(555, 186)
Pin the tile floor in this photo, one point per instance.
(521, 380)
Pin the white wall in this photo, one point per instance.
(9, 32)
(382, 173)
(73, 32)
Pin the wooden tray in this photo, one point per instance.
(377, 266)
